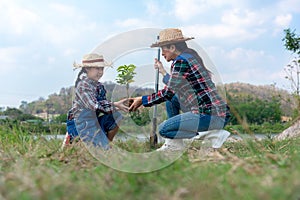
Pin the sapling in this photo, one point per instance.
(125, 76)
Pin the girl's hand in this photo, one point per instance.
(121, 105)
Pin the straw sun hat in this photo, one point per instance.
(170, 36)
(92, 60)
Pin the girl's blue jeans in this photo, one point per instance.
(187, 125)
(92, 129)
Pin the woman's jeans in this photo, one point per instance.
(92, 130)
(187, 125)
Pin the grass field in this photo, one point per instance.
(37, 169)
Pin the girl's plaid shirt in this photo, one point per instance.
(194, 87)
(87, 97)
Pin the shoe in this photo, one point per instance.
(201, 135)
(217, 137)
(172, 145)
(66, 140)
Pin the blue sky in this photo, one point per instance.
(39, 40)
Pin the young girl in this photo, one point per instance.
(92, 117)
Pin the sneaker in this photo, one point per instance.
(201, 135)
(66, 140)
(172, 145)
(217, 137)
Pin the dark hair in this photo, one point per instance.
(183, 48)
(82, 71)
(180, 46)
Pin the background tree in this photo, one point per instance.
(61, 118)
(292, 43)
(17, 114)
(24, 106)
(255, 111)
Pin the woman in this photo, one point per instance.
(202, 107)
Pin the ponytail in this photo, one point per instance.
(83, 70)
(183, 48)
(198, 58)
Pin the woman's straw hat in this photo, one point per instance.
(170, 36)
(92, 60)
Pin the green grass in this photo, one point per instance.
(37, 169)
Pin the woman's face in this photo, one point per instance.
(169, 53)
(94, 73)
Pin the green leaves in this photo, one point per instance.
(126, 74)
(291, 41)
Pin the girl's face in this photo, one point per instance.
(94, 73)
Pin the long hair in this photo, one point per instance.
(183, 48)
(82, 71)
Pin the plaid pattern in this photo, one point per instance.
(193, 85)
(90, 94)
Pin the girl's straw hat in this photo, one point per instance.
(92, 60)
(170, 36)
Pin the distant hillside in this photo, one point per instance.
(241, 91)
(60, 103)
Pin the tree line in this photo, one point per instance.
(254, 104)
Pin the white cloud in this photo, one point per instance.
(222, 31)
(133, 23)
(65, 25)
(289, 6)
(185, 10)
(54, 24)
(129, 22)
(283, 21)
(64, 10)
(246, 65)
(9, 58)
(153, 8)
(242, 18)
(188, 9)
(16, 20)
(235, 24)
(235, 21)
(246, 55)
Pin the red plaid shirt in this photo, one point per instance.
(194, 87)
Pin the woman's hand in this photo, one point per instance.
(135, 103)
(121, 105)
(158, 65)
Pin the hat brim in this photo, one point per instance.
(160, 44)
(97, 64)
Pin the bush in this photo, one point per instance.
(265, 128)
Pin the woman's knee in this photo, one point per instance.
(161, 130)
(164, 131)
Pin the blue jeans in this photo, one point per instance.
(187, 125)
(71, 129)
(92, 129)
(173, 107)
